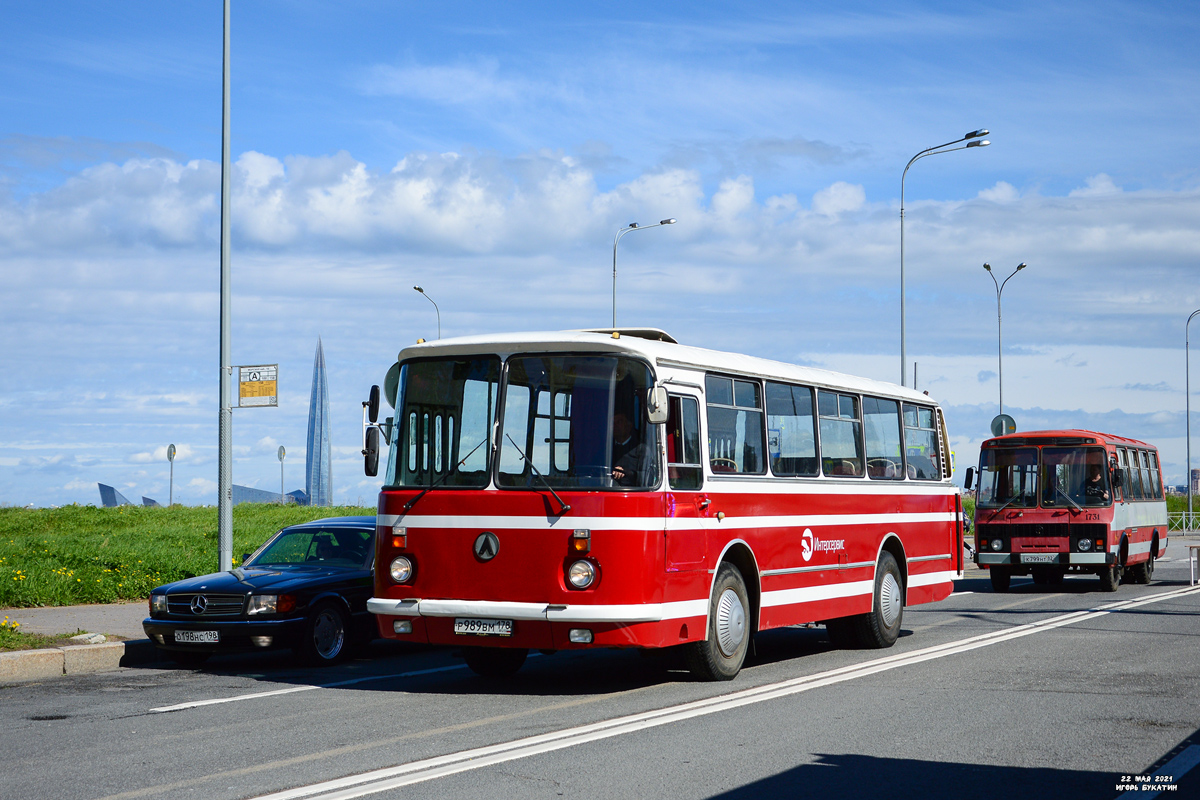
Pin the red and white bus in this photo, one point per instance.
(1053, 502)
(580, 489)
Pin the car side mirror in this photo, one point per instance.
(657, 408)
(371, 453)
(969, 479)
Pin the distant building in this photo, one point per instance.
(111, 498)
(246, 494)
(1196, 481)
(318, 474)
(148, 503)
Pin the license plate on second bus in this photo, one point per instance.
(1039, 558)
(483, 627)
(198, 637)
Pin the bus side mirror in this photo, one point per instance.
(371, 453)
(656, 405)
(969, 479)
(373, 405)
(1116, 477)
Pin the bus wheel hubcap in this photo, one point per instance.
(731, 622)
(889, 600)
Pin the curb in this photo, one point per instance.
(21, 666)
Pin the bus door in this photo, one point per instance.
(686, 511)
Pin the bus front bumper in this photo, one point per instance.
(1030, 559)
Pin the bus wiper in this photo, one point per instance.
(1067, 497)
(442, 479)
(550, 489)
(1011, 500)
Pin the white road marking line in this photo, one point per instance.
(441, 766)
(294, 689)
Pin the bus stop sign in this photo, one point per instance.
(1003, 424)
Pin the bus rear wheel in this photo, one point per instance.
(1142, 573)
(494, 662)
(719, 657)
(1000, 578)
(1110, 578)
(880, 627)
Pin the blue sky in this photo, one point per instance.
(490, 153)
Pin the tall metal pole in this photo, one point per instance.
(999, 328)
(435, 308)
(633, 226)
(225, 445)
(929, 151)
(1187, 394)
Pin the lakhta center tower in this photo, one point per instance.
(318, 478)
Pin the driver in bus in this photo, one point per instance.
(1094, 488)
(627, 450)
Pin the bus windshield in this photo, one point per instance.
(577, 421)
(1074, 476)
(1008, 478)
(446, 408)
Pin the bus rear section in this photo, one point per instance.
(1053, 503)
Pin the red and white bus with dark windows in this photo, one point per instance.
(553, 491)
(1056, 502)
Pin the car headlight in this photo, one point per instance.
(158, 604)
(263, 604)
(402, 569)
(997, 544)
(1085, 545)
(581, 574)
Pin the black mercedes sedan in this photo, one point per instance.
(306, 589)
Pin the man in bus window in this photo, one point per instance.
(627, 451)
(1094, 489)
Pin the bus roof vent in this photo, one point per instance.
(653, 334)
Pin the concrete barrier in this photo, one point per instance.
(54, 662)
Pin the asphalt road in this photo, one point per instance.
(1060, 692)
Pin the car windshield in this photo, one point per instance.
(1074, 476)
(346, 547)
(446, 409)
(577, 421)
(1008, 477)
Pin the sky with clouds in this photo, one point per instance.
(490, 153)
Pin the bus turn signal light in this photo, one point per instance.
(581, 540)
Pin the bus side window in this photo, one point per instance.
(881, 421)
(841, 434)
(921, 444)
(1155, 477)
(683, 443)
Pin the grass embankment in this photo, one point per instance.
(83, 554)
(13, 638)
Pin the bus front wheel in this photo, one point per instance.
(1000, 577)
(719, 657)
(1110, 578)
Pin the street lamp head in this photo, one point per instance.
(670, 221)
(1021, 266)
(419, 289)
(632, 225)
(977, 134)
(979, 143)
(987, 266)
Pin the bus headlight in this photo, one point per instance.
(402, 569)
(581, 574)
(997, 544)
(1085, 545)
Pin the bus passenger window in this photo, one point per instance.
(881, 422)
(841, 434)
(683, 443)
(921, 444)
(791, 430)
(735, 426)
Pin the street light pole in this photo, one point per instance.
(1187, 394)
(435, 308)
(633, 226)
(999, 348)
(975, 141)
(225, 421)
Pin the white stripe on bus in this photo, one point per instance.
(568, 522)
